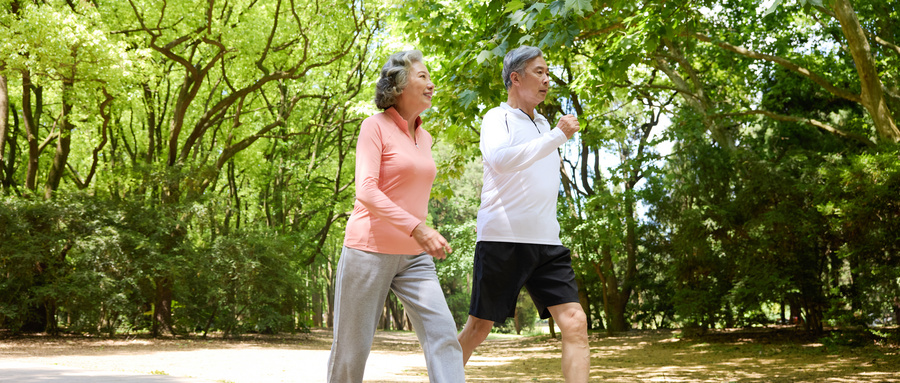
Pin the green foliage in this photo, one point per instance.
(526, 316)
(863, 211)
(215, 170)
(245, 282)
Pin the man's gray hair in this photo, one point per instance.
(395, 77)
(515, 61)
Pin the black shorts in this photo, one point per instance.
(502, 268)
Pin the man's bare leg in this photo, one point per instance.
(576, 354)
(475, 332)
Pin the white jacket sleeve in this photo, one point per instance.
(500, 154)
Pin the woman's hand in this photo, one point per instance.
(432, 241)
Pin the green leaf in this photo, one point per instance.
(537, 7)
(484, 55)
(579, 6)
(557, 7)
(466, 97)
(548, 40)
(500, 50)
(772, 8)
(513, 6)
(517, 17)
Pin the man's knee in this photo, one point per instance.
(477, 328)
(572, 320)
(482, 327)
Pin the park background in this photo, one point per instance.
(186, 167)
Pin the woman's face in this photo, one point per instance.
(416, 97)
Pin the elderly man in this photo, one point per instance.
(518, 234)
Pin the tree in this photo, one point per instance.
(718, 59)
(169, 99)
(208, 54)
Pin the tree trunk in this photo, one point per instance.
(796, 314)
(872, 92)
(162, 307)
(9, 163)
(385, 314)
(814, 318)
(63, 144)
(52, 325)
(552, 327)
(694, 95)
(209, 322)
(517, 321)
(585, 301)
(31, 120)
(165, 285)
(330, 292)
(316, 302)
(4, 122)
(612, 304)
(318, 308)
(398, 314)
(896, 310)
(616, 315)
(630, 256)
(152, 129)
(783, 319)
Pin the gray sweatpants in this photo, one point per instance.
(363, 280)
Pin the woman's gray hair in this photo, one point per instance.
(515, 61)
(395, 77)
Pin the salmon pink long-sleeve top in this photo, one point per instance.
(394, 174)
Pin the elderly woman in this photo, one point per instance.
(387, 244)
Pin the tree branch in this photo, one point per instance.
(808, 121)
(784, 63)
(265, 51)
(883, 42)
(598, 32)
(675, 54)
(104, 112)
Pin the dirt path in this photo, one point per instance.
(293, 359)
(771, 356)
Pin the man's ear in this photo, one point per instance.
(514, 78)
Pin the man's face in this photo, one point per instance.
(534, 81)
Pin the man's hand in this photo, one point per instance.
(569, 125)
(432, 241)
